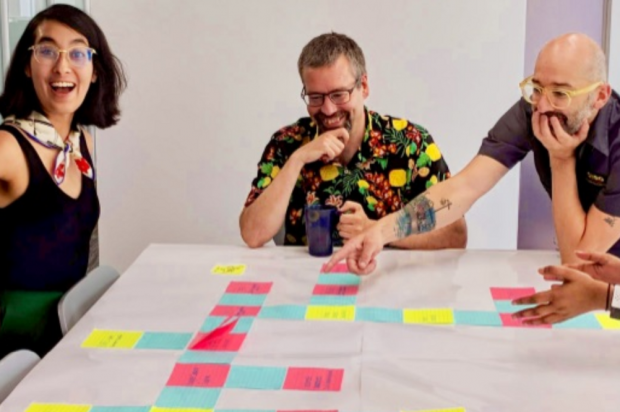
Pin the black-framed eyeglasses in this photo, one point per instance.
(337, 97)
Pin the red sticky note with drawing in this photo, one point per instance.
(338, 268)
(230, 342)
(509, 322)
(313, 379)
(230, 310)
(199, 375)
(337, 290)
(511, 293)
(253, 288)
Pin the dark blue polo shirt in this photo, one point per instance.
(598, 157)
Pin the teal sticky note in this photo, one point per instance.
(242, 299)
(295, 312)
(179, 397)
(212, 322)
(120, 409)
(379, 315)
(332, 300)
(586, 321)
(255, 377)
(164, 340)
(477, 318)
(339, 279)
(243, 325)
(506, 306)
(195, 356)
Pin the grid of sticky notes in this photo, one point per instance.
(195, 396)
(220, 376)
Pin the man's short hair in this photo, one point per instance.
(325, 49)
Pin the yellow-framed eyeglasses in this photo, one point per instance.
(558, 97)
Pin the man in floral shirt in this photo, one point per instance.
(343, 155)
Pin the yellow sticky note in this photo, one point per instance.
(117, 339)
(330, 313)
(233, 270)
(428, 316)
(57, 407)
(607, 322)
(158, 409)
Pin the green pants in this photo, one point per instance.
(30, 321)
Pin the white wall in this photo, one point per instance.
(211, 80)
(614, 45)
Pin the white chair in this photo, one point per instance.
(83, 295)
(13, 368)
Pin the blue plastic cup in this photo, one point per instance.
(320, 222)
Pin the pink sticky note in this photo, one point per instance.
(228, 343)
(313, 379)
(509, 322)
(340, 290)
(511, 293)
(338, 268)
(229, 310)
(255, 288)
(199, 375)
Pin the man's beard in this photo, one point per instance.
(322, 128)
(572, 124)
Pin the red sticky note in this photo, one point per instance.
(199, 375)
(228, 343)
(313, 379)
(509, 322)
(511, 293)
(227, 310)
(254, 288)
(338, 268)
(339, 290)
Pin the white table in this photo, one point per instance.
(387, 366)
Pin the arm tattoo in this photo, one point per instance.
(418, 216)
(610, 220)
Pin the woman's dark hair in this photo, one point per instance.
(100, 107)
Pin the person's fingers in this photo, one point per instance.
(535, 312)
(539, 298)
(354, 267)
(559, 272)
(348, 206)
(546, 320)
(347, 250)
(592, 257)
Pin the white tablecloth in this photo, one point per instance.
(387, 366)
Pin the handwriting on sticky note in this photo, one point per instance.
(336, 290)
(428, 316)
(607, 322)
(57, 407)
(313, 379)
(253, 288)
(511, 293)
(112, 339)
(330, 313)
(234, 310)
(233, 270)
(199, 375)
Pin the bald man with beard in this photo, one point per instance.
(569, 117)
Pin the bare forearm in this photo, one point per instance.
(439, 206)
(261, 220)
(568, 216)
(452, 236)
